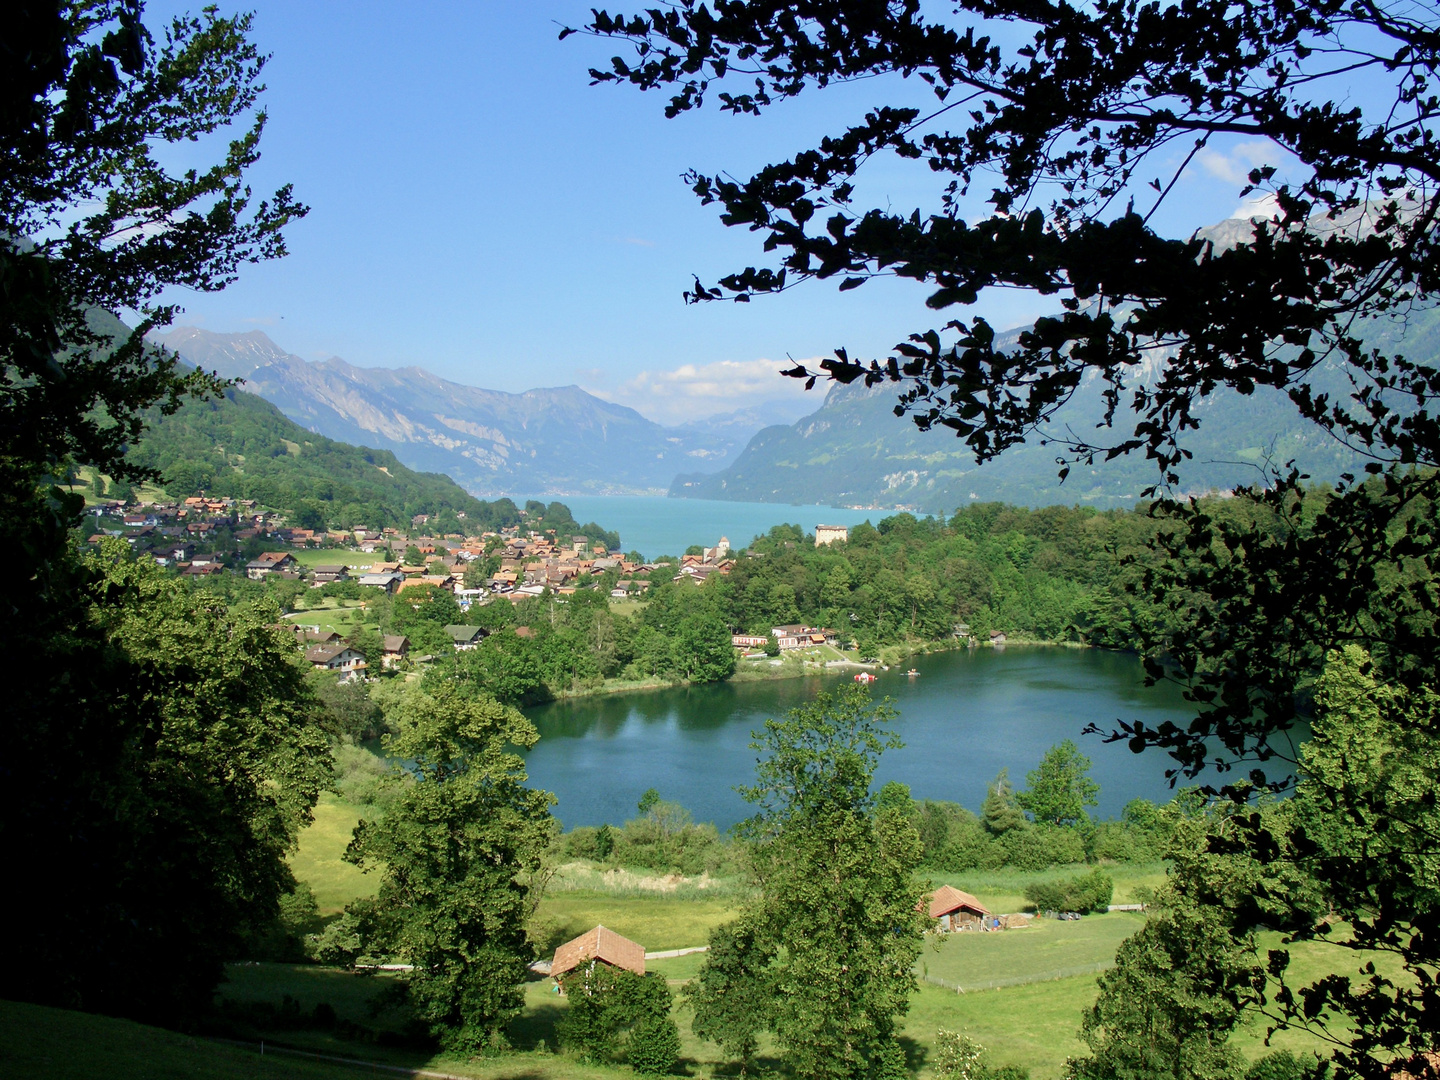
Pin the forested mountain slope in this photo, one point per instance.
(242, 446)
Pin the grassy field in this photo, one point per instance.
(657, 922)
(344, 617)
(334, 557)
(1047, 949)
(1031, 1023)
(318, 860)
(53, 1044)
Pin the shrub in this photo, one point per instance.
(958, 1057)
(654, 1046)
(1283, 1065)
(1089, 892)
(605, 1003)
(360, 775)
(1141, 835)
(1041, 847)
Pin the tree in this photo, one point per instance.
(1061, 788)
(1068, 114)
(92, 219)
(1001, 813)
(134, 755)
(460, 852)
(733, 995)
(182, 783)
(1070, 111)
(1166, 1010)
(606, 1003)
(703, 651)
(1363, 831)
(837, 914)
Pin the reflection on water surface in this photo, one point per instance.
(968, 715)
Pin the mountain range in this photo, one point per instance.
(852, 451)
(552, 441)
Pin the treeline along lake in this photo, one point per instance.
(968, 714)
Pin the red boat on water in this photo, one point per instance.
(865, 677)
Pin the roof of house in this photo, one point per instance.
(379, 579)
(338, 569)
(395, 642)
(462, 633)
(947, 899)
(323, 654)
(270, 558)
(599, 944)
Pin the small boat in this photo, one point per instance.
(912, 673)
(865, 677)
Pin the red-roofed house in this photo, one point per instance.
(599, 946)
(957, 910)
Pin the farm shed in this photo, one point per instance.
(957, 910)
(602, 946)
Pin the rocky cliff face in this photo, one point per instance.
(553, 441)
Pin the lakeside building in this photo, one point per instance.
(829, 534)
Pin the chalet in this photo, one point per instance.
(829, 534)
(956, 910)
(465, 637)
(389, 581)
(340, 658)
(598, 946)
(323, 575)
(397, 648)
(997, 637)
(269, 562)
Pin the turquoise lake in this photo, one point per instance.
(655, 525)
(966, 716)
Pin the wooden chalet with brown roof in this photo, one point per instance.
(957, 910)
(600, 946)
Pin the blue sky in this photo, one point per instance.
(482, 211)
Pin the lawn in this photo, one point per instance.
(1032, 1026)
(1047, 949)
(334, 557)
(344, 617)
(318, 863)
(657, 922)
(54, 1044)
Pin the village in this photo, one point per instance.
(200, 537)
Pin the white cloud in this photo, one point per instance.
(1264, 206)
(695, 391)
(1234, 166)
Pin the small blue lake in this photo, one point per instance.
(966, 716)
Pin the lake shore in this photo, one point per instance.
(792, 667)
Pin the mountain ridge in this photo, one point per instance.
(545, 441)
